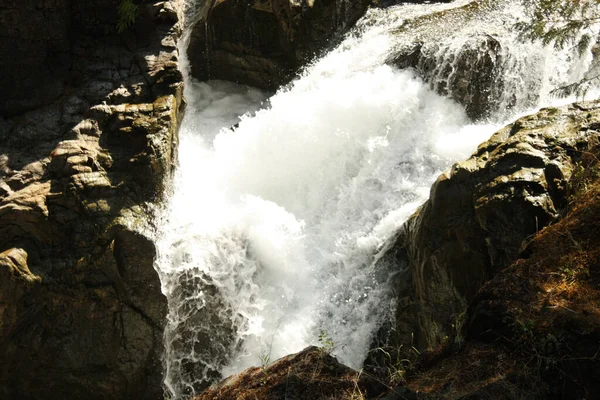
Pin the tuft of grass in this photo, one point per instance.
(397, 362)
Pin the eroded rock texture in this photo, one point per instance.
(88, 127)
(479, 214)
(262, 43)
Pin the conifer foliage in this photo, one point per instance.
(564, 24)
(127, 14)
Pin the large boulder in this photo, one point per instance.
(469, 74)
(200, 341)
(532, 332)
(262, 43)
(85, 145)
(309, 374)
(479, 214)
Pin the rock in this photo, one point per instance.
(470, 77)
(202, 341)
(262, 43)
(309, 374)
(81, 304)
(16, 281)
(34, 66)
(533, 330)
(99, 333)
(464, 60)
(388, 3)
(479, 214)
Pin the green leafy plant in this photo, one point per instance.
(325, 342)
(127, 14)
(457, 326)
(565, 23)
(265, 359)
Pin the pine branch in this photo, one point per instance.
(127, 14)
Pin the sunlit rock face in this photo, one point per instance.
(312, 373)
(88, 127)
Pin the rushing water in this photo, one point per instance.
(271, 235)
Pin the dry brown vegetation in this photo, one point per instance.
(310, 374)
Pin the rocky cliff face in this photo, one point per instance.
(532, 332)
(479, 214)
(262, 43)
(88, 128)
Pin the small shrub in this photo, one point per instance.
(325, 342)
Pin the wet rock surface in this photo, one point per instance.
(87, 140)
(464, 60)
(203, 343)
(263, 43)
(469, 77)
(479, 214)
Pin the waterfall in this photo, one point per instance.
(281, 205)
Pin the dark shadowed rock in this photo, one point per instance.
(34, 62)
(264, 42)
(202, 340)
(87, 138)
(533, 331)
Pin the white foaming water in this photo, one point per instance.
(271, 235)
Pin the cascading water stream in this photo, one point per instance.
(271, 236)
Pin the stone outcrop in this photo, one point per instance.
(479, 214)
(309, 374)
(201, 340)
(469, 74)
(262, 43)
(88, 127)
(532, 332)
(463, 59)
